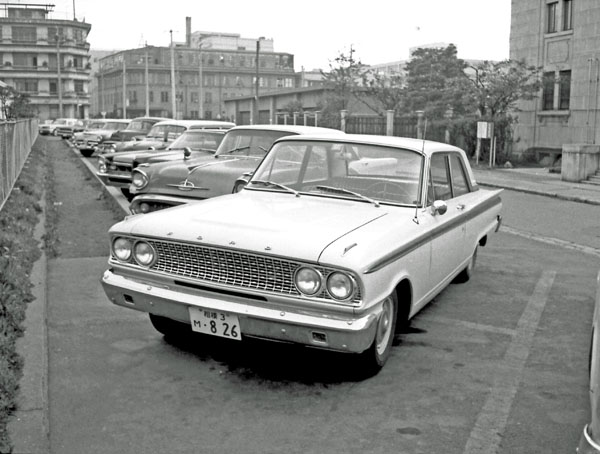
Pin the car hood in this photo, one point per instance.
(257, 222)
(142, 145)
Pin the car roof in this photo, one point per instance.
(425, 147)
(196, 124)
(297, 129)
(152, 118)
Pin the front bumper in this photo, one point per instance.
(120, 180)
(345, 333)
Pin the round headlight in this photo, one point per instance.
(340, 286)
(308, 281)
(122, 249)
(139, 179)
(102, 165)
(143, 253)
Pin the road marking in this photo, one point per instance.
(491, 421)
(552, 241)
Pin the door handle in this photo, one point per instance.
(460, 206)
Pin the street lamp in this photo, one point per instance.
(256, 111)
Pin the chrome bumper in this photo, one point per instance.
(120, 180)
(151, 199)
(351, 334)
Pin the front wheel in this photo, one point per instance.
(376, 356)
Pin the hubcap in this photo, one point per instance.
(384, 326)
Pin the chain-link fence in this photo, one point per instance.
(16, 140)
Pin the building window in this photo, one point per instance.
(194, 97)
(207, 115)
(551, 17)
(567, 14)
(24, 34)
(564, 90)
(164, 96)
(151, 96)
(133, 96)
(194, 114)
(548, 91)
(27, 86)
(53, 88)
(79, 86)
(208, 97)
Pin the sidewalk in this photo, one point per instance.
(538, 180)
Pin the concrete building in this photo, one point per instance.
(208, 68)
(562, 37)
(46, 58)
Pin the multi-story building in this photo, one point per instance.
(46, 58)
(208, 69)
(561, 37)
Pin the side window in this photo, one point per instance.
(459, 178)
(440, 177)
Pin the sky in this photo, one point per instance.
(314, 31)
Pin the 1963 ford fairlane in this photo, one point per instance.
(335, 242)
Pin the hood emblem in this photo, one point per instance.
(187, 185)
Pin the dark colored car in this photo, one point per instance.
(167, 184)
(114, 169)
(138, 129)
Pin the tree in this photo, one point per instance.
(344, 79)
(436, 82)
(497, 86)
(387, 90)
(14, 104)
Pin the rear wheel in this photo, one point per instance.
(376, 356)
(168, 327)
(466, 274)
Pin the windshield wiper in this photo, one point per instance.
(276, 185)
(238, 149)
(347, 192)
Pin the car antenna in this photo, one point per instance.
(416, 218)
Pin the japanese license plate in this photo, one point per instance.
(215, 323)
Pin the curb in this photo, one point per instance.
(537, 192)
(29, 427)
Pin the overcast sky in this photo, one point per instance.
(314, 31)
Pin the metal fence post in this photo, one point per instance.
(389, 123)
(343, 114)
(420, 124)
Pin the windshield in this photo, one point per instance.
(60, 121)
(371, 173)
(249, 142)
(114, 125)
(198, 140)
(169, 132)
(96, 125)
(140, 125)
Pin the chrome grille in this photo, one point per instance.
(233, 268)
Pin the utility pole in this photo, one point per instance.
(59, 78)
(256, 109)
(173, 99)
(147, 84)
(124, 89)
(200, 87)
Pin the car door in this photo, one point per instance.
(448, 230)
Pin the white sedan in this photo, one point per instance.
(335, 242)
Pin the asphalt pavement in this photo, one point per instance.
(29, 426)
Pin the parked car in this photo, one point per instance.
(316, 249)
(163, 133)
(98, 131)
(68, 130)
(49, 128)
(179, 181)
(115, 169)
(590, 438)
(138, 129)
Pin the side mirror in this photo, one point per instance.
(240, 184)
(439, 207)
(187, 152)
